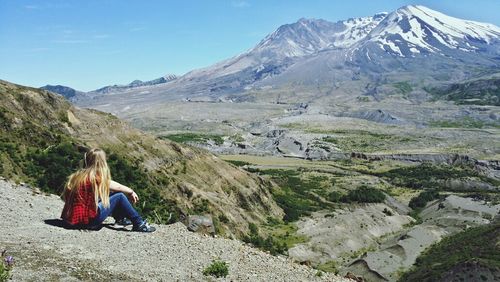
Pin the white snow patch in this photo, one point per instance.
(414, 50)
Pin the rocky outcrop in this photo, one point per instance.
(380, 116)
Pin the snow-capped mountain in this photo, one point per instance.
(412, 30)
(308, 36)
(289, 42)
(318, 50)
(413, 40)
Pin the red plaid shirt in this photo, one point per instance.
(80, 207)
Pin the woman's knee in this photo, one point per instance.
(119, 196)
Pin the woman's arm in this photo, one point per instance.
(117, 187)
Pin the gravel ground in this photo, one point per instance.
(44, 251)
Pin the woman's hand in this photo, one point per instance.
(133, 197)
(117, 187)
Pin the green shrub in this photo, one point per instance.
(423, 198)
(364, 194)
(223, 218)
(217, 269)
(335, 196)
(294, 195)
(268, 244)
(51, 167)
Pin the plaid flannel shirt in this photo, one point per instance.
(80, 207)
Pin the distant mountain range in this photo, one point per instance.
(413, 43)
(75, 95)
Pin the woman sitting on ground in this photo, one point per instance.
(88, 201)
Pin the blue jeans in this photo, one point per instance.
(119, 207)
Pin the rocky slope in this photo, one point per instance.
(167, 174)
(44, 251)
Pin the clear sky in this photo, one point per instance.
(87, 44)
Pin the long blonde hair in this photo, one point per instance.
(96, 171)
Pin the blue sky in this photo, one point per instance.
(93, 43)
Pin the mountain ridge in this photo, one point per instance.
(74, 95)
(413, 39)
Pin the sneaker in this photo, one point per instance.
(123, 222)
(144, 227)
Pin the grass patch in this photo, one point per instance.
(465, 122)
(194, 138)
(364, 141)
(283, 233)
(404, 87)
(267, 243)
(330, 266)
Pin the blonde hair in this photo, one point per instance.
(96, 171)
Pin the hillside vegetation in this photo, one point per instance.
(43, 138)
(472, 255)
(485, 91)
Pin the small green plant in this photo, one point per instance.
(218, 269)
(5, 267)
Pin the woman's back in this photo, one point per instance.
(80, 207)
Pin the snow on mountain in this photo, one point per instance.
(414, 39)
(291, 41)
(308, 36)
(406, 32)
(356, 29)
(412, 30)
